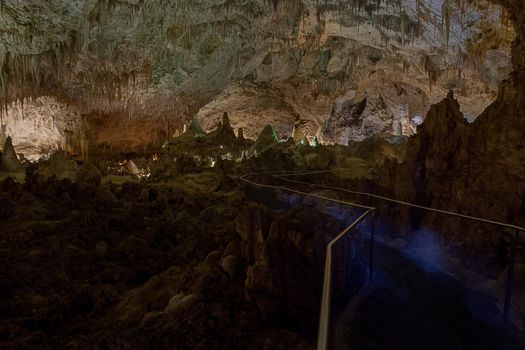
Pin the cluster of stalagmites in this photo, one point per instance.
(189, 264)
(195, 150)
(179, 259)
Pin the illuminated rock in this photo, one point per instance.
(230, 265)
(122, 76)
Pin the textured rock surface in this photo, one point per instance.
(286, 253)
(138, 69)
(86, 264)
(9, 161)
(476, 168)
(44, 125)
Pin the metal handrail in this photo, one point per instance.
(324, 317)
(322, 340)
(517, 229)
(244, 178)
(446, 212)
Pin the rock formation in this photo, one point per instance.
(266, 139)
(224, 134)
(106, 62)
(475, 169)
(9, 161)
(179, 255)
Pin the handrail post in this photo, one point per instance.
(508, 292)
(324, 317)
(372, 243)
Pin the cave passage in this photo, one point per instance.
(139, 202)
(411, 305)
(409, 302)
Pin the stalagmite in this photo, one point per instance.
(9, 161)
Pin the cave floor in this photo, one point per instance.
(410, 305)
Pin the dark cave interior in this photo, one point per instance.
(232, 174)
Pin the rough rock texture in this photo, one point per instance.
(251, 108)
(45, 125)
(138, 70)
(265, 141)
(59, 165)
(286, 254)
(379, 108)
(9, 161)
(476, 168)
(467, 168)
(129, 266)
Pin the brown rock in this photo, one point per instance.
(230, 265)
(8, 159)
(252, 224)
(101, 248)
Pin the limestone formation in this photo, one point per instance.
(230, 265)
(60, 165)
(293, 59)
(224, 134)
(8, 159)
(149, 247)
(195, 129)
(266, 140)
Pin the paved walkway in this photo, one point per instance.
(411, 306)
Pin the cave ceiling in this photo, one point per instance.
(172, 59)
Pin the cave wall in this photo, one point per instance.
(476, 169)
(42, 126)
(342, 61)
(153, 65)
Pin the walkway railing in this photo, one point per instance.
(514, 245)
(324, 321)
(324, 317)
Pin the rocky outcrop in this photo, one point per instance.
(44, 125)
(134, 265)
(9, 161)
(59, 165)
(265, 141)
(286, 254)
(224, 134)
(477, 168)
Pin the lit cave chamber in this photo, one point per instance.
(262, 174)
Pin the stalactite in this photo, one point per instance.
(445, 22)
(432, 71)
(186, 23)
